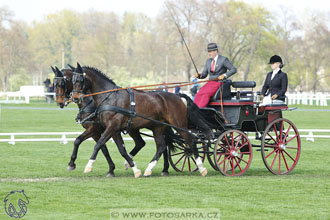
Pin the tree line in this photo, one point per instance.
(134, 49)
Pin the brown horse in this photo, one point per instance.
(113, 112)
(63, 88)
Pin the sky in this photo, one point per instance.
(35, 10)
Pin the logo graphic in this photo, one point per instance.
(15, 204)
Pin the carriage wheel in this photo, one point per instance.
(233, 153)
(182, 158)
(279, 150)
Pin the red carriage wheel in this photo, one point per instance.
(233, 153)
(182, 158)
(280, 150)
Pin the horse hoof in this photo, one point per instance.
(110, 175)
(147, 173)
(204, 172)
(164, 174)
(88, 170)
(137, 174)
(71, 168)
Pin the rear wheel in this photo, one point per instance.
(279, 150)
(232, 153)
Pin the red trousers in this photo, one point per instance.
(203, 96)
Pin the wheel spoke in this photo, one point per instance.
(291, 147)
(227, 142)
(286, 164)
(281, 132)
(238, 164)
(271, 153)
(224, 147)
(232, 166)
(243, 145)
(182, 152)
(270, 146)
(227, 164)
(279, 162)
(274, 160)
(287, 132)
(249, 152)
(184, 162)
(240, 137)
(289, 155)
(275, 130)
(179, 160)
(189, 168)
(291, 139)
(223, 160)
(271, 137)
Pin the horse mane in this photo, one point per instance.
(100, 73)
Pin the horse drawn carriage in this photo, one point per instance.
(232, 115)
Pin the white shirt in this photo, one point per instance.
(275, 71)
(216, 59)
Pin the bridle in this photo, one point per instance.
(62, 83)
(81, 77)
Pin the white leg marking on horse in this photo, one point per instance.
(201, 168)
(151, 165)
(136, 171)
(89, 166)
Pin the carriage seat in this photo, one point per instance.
(225, 89)
(238, 95)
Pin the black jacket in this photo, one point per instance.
(278, 85)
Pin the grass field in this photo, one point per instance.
(54, 193)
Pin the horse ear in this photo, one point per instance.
(79, 69)
(59, 72)
(71, 67)
(53, 70)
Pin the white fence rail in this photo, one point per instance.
(305, 98)
(25, 92)
(65, 137)
(62, 137)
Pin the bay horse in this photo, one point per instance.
(158, 107)
(63, 89)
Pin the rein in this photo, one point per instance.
(180, 84)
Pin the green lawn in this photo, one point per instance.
(303, 194)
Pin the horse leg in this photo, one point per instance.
(189, 140)
(85, 135)
(121, 147)
(139, 144)
(166, 164)
(106, 135)
(161, 146)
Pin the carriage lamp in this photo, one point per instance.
(247, 112)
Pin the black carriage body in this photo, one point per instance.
(240, 111)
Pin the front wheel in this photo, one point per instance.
(279, 150)
(232, 153)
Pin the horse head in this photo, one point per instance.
(80, 84)
(61, 85)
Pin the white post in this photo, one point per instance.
(12, 140)
(311, 99)
(63, 139)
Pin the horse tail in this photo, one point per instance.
(195, 117)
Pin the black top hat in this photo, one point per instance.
(212, 46)
(275, 59)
